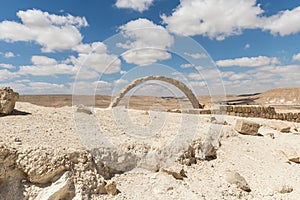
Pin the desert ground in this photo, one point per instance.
(282, 98)
(50, 149)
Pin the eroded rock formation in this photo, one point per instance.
(47, 173)
(8, 99)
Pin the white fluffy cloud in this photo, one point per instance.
(7, 75)
(147, 42)
(247, 46)
(44, 66)
(9, 55)
(145, 56)
(52, 32)
(249, 61)
(102, 63)
(239, 76)
(213, 18)
(47, 70)
(91, 87)
(196, 55)
(187, 65)
(7, 66)
(222, 18)
(262, 79)
(17, 86)
(296, 57)
(138, 5)
(94, 58)
(120, 82)
(205, 74)
(29, 87)
(43, 60)
(95, 47)
(284, 23)
(44, 88)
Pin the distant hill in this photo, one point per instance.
(280, 96)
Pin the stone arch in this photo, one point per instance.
(181, 86)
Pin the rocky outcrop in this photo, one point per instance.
(33, 163)
(200, 150)
(11, 176)
(8, 100)
(47, 173)
(246, 127)
(61, 189)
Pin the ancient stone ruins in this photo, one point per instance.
(181, 86)
(235, 152)
(258, 111)
(8, 100)
(267, 112)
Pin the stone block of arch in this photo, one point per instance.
(181, 86)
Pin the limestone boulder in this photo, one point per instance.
(234, 178)
(246, 127)
(291, 154)
(280, 126)
(63, 188)
(8, 100)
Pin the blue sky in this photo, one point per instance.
(62, 46)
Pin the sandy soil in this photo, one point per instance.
(257, 158)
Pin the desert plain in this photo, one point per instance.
(52, 149)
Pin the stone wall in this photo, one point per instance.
(260, 112)
(248, 111)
